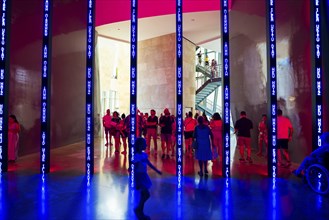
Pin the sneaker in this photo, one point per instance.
(242, 159)
(249, 159)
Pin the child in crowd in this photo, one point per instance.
(142, 180)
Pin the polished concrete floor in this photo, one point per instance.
(65, 194)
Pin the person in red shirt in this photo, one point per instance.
(13, 137)
(107, 119)
(216, 125)
(189, 126)
(284, 135)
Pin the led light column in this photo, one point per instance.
(179, 91)
(4, 84)
(45, 87)
(133, 83)
(316, 73)
(179, 105)
(90, 88)
(226, 88)
(272, 87)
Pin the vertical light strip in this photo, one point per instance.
(45, 87)
(4, 84)
(179, 90)
(179, 104)
(43, 205)
(227, 197)
(90, 89)
(272, 86)
(226, 87)
(133, 83)
(316, 72)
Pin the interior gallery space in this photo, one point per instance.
(68, 66)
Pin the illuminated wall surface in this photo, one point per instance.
(68, 72)
(247, 53)
(294, 85)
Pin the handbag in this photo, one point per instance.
(195, 144)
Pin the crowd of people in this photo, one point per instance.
(152, 128)
(213, 66)
(243, 127)
(208, 134)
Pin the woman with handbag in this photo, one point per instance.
(203, 138)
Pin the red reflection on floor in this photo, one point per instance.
(71, 158)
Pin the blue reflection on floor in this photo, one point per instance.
(65, 194)
(62, 196)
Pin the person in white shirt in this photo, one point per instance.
(284, 135)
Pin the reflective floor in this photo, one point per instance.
(64, 193)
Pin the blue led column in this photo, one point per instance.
(316, 73)
(133, 83)
(179, 104)
(45, 87)
(179, 90)
(272, 87)
(226, 88)
(4, 84)
(90, 88)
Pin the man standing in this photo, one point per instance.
(107, 126)
(285, 132)
(151, 126)
(242, 129)
(166, 132)
(189, 126)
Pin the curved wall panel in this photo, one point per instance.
(68, 72)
